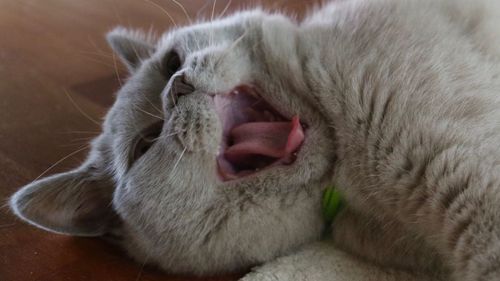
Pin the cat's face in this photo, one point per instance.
(213, 157)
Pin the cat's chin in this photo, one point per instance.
(255, 135)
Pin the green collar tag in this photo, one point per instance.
(332, 203)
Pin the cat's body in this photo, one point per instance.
(418, 130)
(400, 106)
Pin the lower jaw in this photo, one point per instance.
(224, 175)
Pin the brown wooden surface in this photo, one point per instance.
(57, 78)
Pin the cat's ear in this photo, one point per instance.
(132, 46)
(76, 203)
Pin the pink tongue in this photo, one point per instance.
(268, 139)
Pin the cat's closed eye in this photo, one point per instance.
(145, 140)
(171, 64)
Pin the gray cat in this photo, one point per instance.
(216, 153)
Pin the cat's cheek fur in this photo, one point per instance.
(206, 234)
(225, 247)
(187, 221)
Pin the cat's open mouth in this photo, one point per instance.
(255, 135)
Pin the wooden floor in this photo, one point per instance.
(57, 78)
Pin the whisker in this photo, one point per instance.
(149, 35)
(151, 103)
(94, 44)
(183, 9)
(96, 60)
(115, 11)
(168, 135)
(60, 161)
(82, 139)
(73, 144)
(115, 64)
(164, 11)
(148, 113)
(175, 105)
(225, 8)
(213, 10)
(5, 204)
(80, 109)
(99, 53)
(80, 132)
(179, 160)
(230, 48)
(233, 45)
(172, 98)
(96, 54)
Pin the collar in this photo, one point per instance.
(332, 203)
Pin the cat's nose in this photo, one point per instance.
(180, 87)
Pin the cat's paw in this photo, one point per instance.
(322, 261)
(481, 269)
(283, 269)
(260, 276)
(492, 275)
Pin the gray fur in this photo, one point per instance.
(402, 99)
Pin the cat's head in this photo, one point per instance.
(213, 157)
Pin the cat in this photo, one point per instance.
(217, 150)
